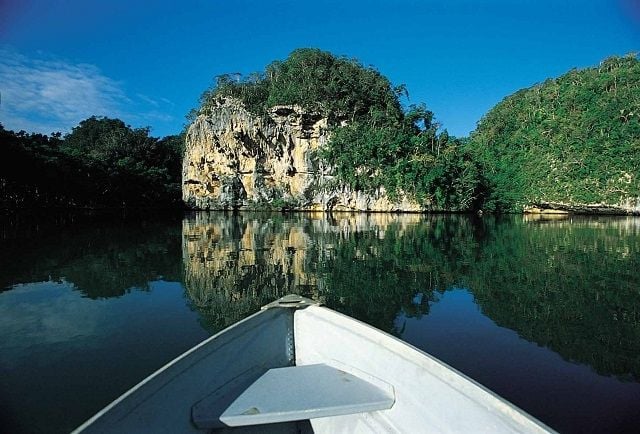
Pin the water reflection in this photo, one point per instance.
(122, 294)
(568, 284)
(236, 263)
(86, 312)
(101, 254)
(233, 264)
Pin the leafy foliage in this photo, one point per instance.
(102, 163)
(411, 159)
(33, 170)
(574, 139)
(317, 80)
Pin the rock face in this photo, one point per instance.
(629, 207)
(237, 160)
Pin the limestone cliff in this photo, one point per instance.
(237, 160)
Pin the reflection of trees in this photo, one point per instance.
(570, 285)
(235, 264)
(102, 254)
(375, 272)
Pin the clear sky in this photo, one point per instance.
(147, 62)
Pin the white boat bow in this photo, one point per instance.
(298, 367)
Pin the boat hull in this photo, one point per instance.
(430, 395)
(191, 393)
(225, 364)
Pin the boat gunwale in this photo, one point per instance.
(158, 372)
(402, 349)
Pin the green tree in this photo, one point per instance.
(128, 167)
(314, 79)
(102, 163)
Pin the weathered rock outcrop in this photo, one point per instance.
(630, 207)
(237, 160)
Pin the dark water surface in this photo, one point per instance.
(544, 312)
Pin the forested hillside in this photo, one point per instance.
(568, 142)
(571, 140)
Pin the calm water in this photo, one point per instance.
(545, 313)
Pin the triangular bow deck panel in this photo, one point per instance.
(306, 392)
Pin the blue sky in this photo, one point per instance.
(148, 62)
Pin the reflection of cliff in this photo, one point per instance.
(103, 254)
(233, 264)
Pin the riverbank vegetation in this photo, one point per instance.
(573, 139)
(102, 163)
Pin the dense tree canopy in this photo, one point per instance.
(574, 139)
(412, 159)
(102, 163)
(317, 80)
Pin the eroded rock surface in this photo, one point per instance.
(630, 206)
(237, 160)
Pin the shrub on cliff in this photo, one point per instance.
(337, 87)
(411, 159)
(574, 139)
